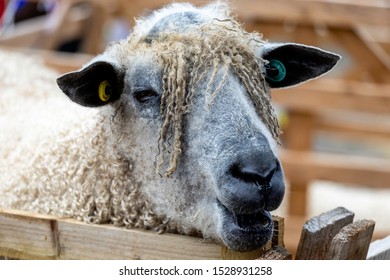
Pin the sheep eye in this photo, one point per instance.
(275, 71)
(144, 96)
(105, 91)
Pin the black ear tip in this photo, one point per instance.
(332, 61)
(60, 82)
(63, 80)
(334, 58)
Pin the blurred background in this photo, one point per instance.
(336, 141)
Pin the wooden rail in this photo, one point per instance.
(331, 235)
(328, 95)
(34, 236)
(328, 12)
(61, 62)
(359, 170)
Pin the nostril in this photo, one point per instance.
(253, 174)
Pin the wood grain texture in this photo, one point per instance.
(28, 236)
(351, 169)
(352, 242)
(338, 13)
(278, 235)
(227, 254)
(25, 235)
(326, 94)
(81, 241)
(318, 232)
(298, 137)
(276, 253)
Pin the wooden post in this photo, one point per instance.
(276, 253)
(278, 235)
(318, 232)
(352, 242)
(298, 137)
(227, 254)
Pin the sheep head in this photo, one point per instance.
(188, 98)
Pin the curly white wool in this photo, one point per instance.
(74, 174)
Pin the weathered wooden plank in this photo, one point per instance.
(327, 12)
(278, 235)
(362, 130)
(227, 254)
(352, 169)
(27, 237)
(318, 232)
(373, 46)
(276, 253)
(352, 242)
(300, 139)
(63, 62)
(327, 94)
(379, 249)
(84, 241)
(338, 13)
(59, 61)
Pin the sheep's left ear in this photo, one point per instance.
(290, 64)
(97, 84)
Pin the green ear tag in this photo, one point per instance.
(275, 70)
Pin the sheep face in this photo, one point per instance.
(188, 104)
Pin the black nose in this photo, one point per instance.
(256, 169)
(254, 182)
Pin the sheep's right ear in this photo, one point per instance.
(290, 64)
(94, 85)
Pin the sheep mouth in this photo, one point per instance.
(252, 222)
(245, 232)
(249, 222)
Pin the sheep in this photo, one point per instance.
(181, 137)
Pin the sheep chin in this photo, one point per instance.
(244, 232)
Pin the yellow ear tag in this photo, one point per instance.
(102, 91)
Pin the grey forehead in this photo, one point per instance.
(144, 73)
(177, 22)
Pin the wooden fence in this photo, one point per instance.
(331, 235)
(33, 236)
